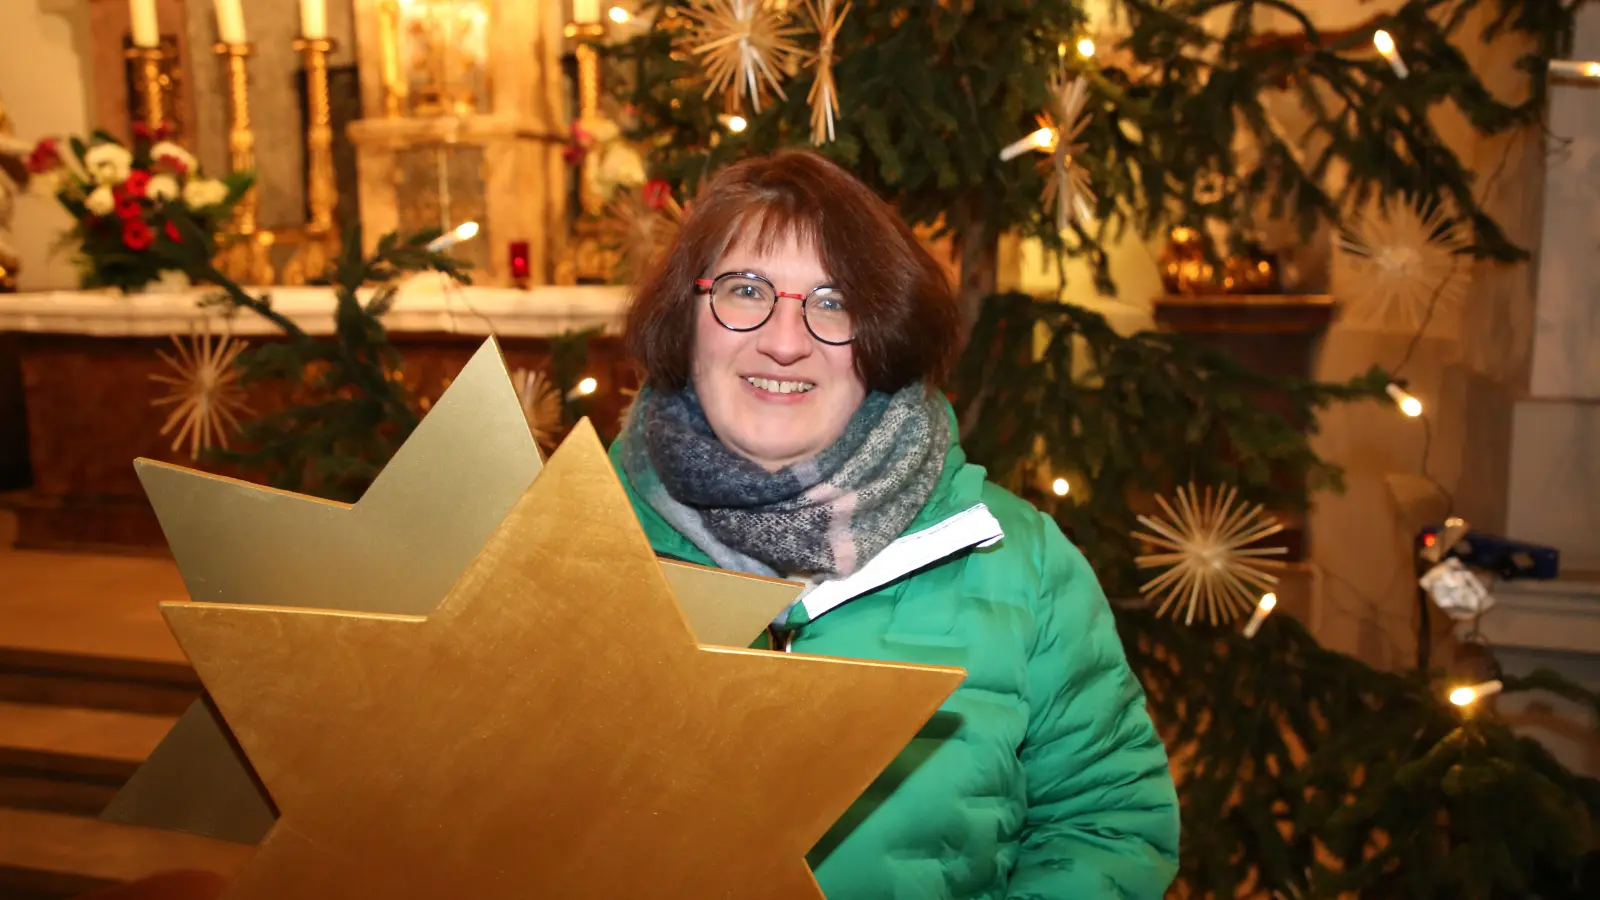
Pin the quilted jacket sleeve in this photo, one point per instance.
(1102, 810)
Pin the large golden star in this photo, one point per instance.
(552, 729)
(444, 492)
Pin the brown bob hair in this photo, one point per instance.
(907, 324)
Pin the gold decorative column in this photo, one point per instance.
(151, 87)
(321, 241)
(588, 59)
(245, 258)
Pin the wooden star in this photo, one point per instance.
(446, 489)
(552, 729)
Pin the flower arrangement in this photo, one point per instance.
(127, 202)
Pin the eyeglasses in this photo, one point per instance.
(744, 301)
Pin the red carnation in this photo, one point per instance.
(45, 157)
(173, 164)
(172, 233)
(128, 208)
(136, 235)
(138, 182)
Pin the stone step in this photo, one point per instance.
(45, 856)
(66, 759)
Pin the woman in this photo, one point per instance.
(789, 427)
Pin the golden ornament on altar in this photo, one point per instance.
(747, 47)
(203, 391)
(551, 729)
(1187, 270)
(446, 489)
(1204, 543)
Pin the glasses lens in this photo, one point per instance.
(828, 316)
(741, 303)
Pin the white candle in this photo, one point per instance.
(585, 11)
(1573, 68)
(230, 21)
(1039, 140)
(314, 19)
(142, 13)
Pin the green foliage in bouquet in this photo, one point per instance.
(133, 206)
(349, 408)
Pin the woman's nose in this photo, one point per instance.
(785, 338)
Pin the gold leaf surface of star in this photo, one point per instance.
(551, 729)
(1067, 192)
(444, 492)
(1404, 268)
(1210, 568)
(747, 47)
(203, 390)
(827, 18)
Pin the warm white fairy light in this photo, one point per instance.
(1211, 569)
(585, 388)
(1060, 487)
(1470, 694)
(1408, 404)
(1574, 68)
(1086, 47)
(618, 15)
(1269, 602)
(1038, 140)
(1386, 49)
(466, 231)
(737, 124)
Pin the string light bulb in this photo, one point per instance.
(1060, 487)
(466, 231)
(1385, 45)
(1086, 47)
(1573, 68)
(737, 124)
(618, 15)
(1269, 602)
(1469, 694)
(1038, 140)
(1408, 404)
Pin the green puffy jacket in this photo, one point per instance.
(1042, 777)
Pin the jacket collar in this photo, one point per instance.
(953, 520)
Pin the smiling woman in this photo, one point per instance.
(791, 426)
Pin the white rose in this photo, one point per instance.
(167, 149)
(108, 163)
(163, 188)
(622, 165)
(204, 192)
(47, 184)
(100, 202)
(601, 130)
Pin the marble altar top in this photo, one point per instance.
(425, 304)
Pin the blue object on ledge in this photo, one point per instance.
(1507, 558)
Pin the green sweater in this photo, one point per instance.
(1042, 777)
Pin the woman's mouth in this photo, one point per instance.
(775, 386)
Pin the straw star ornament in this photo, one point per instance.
(641, 223)
(203, 390)
(1067, 192)
(824, 96)
(1211, 569)
(541, 405)
(747, 47)
(1407, 264)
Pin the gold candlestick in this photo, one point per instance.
(588, 59)
(322, 195)
(152, 87)
(245, 259)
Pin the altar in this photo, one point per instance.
(86, 361)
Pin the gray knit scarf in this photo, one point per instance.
(827, 515)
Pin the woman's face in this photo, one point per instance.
(775, 395)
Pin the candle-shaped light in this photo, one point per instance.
(1039, 140)
(1086, 47)
(142, 16)
(1466, 696)
(585, 11)
(1572, 68)
(585, 388)
(230, 22)
(1060, 487)
(1386, 49)
(1408, 404)
(466, 231)
(314, 19)
(1268, 603)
